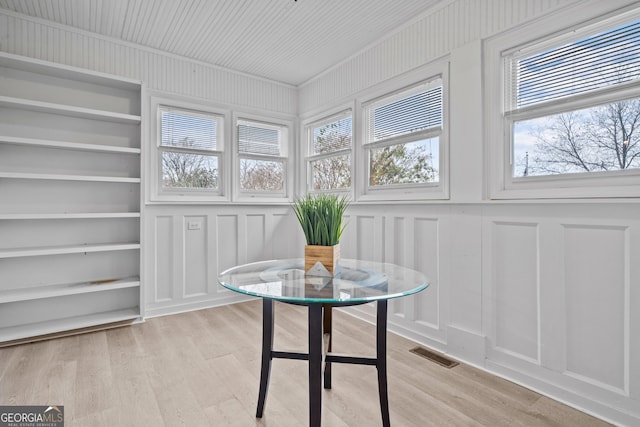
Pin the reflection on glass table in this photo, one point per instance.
(357, 282)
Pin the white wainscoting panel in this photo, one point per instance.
(366, 235)
(516, 289)
(596, 276)
(226, 241)
(195, 243)
(426, 253)
(286, 237)
(561, 302)
(256, 238)
(410, 237)
(197, 253)
(163, 260)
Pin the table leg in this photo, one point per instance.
(327, 326)
(315, 365)
(267, 348)
(381, 360)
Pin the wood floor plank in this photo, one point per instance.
(230, 413)
(94, 380)
(31, 361)
(243, 385)
(7, 360)
(59, 384)
(136, 401)
(202, 369)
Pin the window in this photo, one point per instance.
(570, 120)
(190, 151)
(329, 147)
(262, 158)
(402, 137)
(587, 136)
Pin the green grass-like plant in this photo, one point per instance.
(320, 216)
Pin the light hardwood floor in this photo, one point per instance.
(202, 368)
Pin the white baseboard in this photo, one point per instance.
(545, 387)
(465, 345)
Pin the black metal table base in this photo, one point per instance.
(320, 337)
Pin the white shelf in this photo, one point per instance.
(41, 292)
(67, 110)
(64, 250)
(67, 145)
(40, 180)
(61, 177)
(66, 324)
(66, 72)
(80, 215)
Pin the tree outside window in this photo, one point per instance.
(410, 163)
(184, 170)
(262, 153)
(189, 150)
(402, 136)
(330, 160)
(597, 139)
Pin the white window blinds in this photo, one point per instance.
(605, 59)
(188, 129)
(254, 138)
(411, 111)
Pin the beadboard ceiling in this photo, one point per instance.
(283, 40)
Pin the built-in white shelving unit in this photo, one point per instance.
(70, 188)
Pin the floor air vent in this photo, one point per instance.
(434, 357)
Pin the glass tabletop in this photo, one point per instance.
(358, 282)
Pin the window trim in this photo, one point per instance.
(565, 26)
(391, 90)
(255, 196)
(306, 178)
(156, 193)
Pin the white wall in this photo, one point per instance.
(544, 293)
(183, 264)
(539, 292)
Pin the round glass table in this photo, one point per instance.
(358, 282)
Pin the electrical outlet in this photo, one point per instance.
(194, 225)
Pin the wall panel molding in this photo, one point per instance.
(596, 281)
(516, 289)
(572, 267)
(409, 237)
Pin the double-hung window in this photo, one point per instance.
(189, 151)
(402, 136)
(262, 158)
(329, 153)
(571, 116)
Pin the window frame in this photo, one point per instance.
(159, 194)
(409, 190)
(286, 157)
(559, 29)
(308, 157)
(423, 75)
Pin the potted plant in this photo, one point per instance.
(321, 219)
